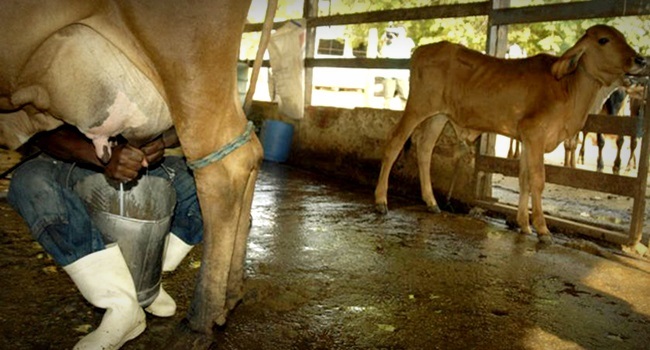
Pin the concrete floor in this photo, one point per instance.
(326, 272)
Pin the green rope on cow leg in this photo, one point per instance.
(224, 151)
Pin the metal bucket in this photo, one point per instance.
(141, 231)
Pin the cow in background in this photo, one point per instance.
(540, 100)
(134, 68)
(636, 94)
(613, 106)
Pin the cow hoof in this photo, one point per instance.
(545, 239)
(183, 338)
(381, 208)
(525, 231)
(434, 209)
(233, 300)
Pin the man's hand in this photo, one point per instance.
(154, 151)
(125, 163)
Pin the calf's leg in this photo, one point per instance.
(426, 138)
(524, 193)
(537, 177)
(398, 137)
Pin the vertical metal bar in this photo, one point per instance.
(310, 10)
(497, 44)
(371, 52)
(638, 209)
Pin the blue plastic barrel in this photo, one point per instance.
(276, 140)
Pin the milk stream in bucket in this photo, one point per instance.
(136, 216)
(121, 199)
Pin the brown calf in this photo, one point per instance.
(540, 100)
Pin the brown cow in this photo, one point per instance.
(540, 100)
(175, 62)
(613, 106)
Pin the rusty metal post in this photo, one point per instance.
(638, 209)
(310, 10)
(497, 45)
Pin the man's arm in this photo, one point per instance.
(170, 138)
(68, 144)
(155, 150)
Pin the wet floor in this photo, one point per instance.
(325, 272)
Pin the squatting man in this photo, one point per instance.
(41, 191)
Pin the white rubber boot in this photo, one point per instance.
(163, 305)
(103, 278)
(174, 252)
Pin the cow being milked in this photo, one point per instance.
(135, 68)
(540, 100)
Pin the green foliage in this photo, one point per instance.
(550, 37)
(553, 37)
(469, 31)
(556, 37)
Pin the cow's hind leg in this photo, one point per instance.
(426, 138)
(635, 110)
(513, 149)
(631, 162)
(581, 153)
(616, 169)
(398, 136)
(224, 189)
(570, 146)
(600, 165)
(236, 279)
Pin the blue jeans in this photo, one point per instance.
(41, 191)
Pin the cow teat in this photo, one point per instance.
(102, 149)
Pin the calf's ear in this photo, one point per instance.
(567, 63)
